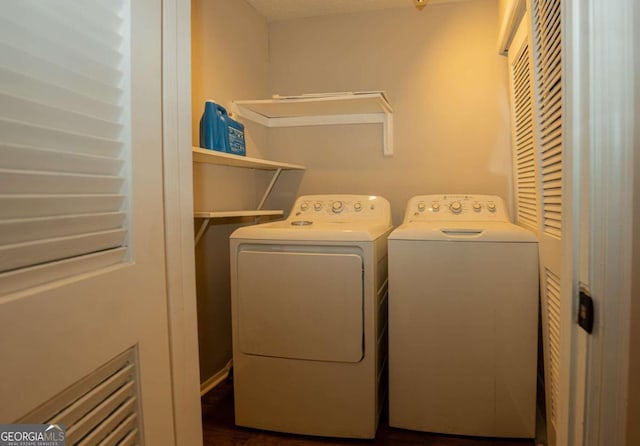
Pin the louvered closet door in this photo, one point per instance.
(82, 280)
(525, 166)
(547, 55)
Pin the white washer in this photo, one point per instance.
(463, 319)
(309, 312)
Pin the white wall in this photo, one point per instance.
(448, 87)
(229, 61)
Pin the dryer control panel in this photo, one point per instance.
(341, 208)
(456, 207)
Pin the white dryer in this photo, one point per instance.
(309, 314)
(463, 319)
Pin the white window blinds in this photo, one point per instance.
(63, 139)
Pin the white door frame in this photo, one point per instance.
(611, 151)
(600, 104)
(600, 73)
(178, 200)
(573, 358)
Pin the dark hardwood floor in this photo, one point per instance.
(220, 430)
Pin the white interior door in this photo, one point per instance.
(81, 129)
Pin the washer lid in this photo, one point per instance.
(470, 231)
(312, 231)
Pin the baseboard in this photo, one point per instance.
(216, 379)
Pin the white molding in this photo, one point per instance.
(573, 360)
(178, 201)
(611, 76)
(514, 12)
(216, 379)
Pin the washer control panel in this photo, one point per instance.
(342, 208)
(456, 207)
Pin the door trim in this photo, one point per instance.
(600, 41)
(573, 362)
(178, 202)
(610, 26)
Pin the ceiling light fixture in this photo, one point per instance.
(420, 4)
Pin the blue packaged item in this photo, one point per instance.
(218, 131)
(235, 136)
(211, 128)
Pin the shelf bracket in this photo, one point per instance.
(267, 192)
(201, 230)
(387, 134)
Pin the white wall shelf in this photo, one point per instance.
(322, 109)
(224, 159)
(231, 214)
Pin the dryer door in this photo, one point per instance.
(301, 305)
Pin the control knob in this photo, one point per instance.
(477, 207)
(455, 207)
(337, 206)
(435, 207)
(421, 206)
(304, 206)
(357, 206)
(317, 206)
(491, 206)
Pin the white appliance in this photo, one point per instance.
(463, 319)
(309, 312)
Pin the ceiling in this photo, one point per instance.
(274, 10)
